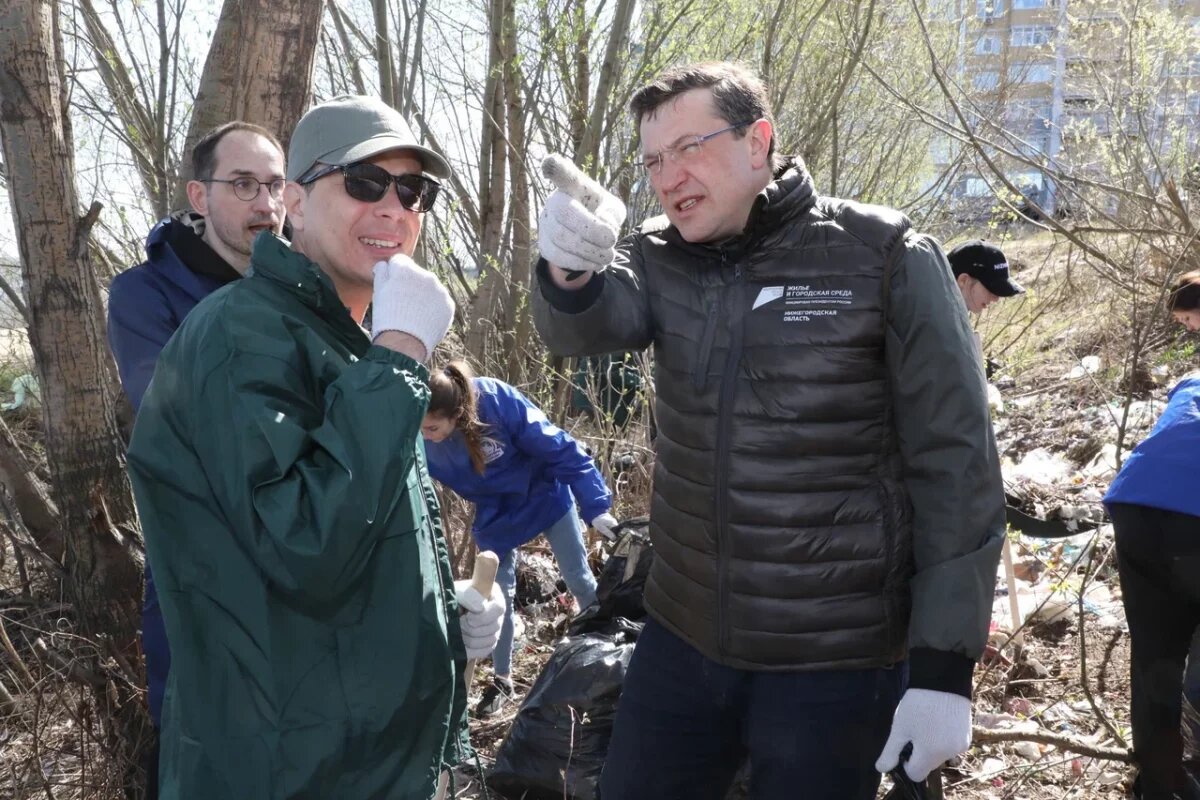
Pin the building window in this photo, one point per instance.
(986, 81)
(1022, 4)
(1035, 113)
(941, 150)
(986, 9)
(975, 187)
(1028, 181)
(943, 9)
(1030, 73)
(1081, 68)
(1032, 35)
(1185, 67)
(1035, 144)
(988, 44)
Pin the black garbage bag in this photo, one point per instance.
(622, 580)
(559, 739)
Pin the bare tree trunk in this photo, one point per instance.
(339, 23)
(383, 52)
(144, 136)
(30, 497)
(517, 307)
(492, 195)
(408, 100)
(83, 445)
(580, 74)
(259, 68)
(589, 149)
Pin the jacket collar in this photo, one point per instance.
(183, 231)
(787, 197)
(167, 260)
(273, 259)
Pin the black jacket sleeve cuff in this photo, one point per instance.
(568, 301)
(940, 671)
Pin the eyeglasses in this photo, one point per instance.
(368, 183)
(688, 149)
(247, 189)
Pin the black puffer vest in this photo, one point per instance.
(781, 526)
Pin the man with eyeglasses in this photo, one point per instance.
(236, 192)
(828, 511)
(287, 510)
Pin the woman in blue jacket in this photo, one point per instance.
(488, 443)
(1154, 503)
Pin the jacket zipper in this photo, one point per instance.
(724, 424)
(458, 683)
(700, 375)
(890, 533)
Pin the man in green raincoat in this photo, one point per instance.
(288, 514)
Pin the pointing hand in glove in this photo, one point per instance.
(937, 723)
(482, 618)
(578, 226)
(606, 525)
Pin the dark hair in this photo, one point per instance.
(738, 94)
(1186, 294)
(452, 395)
(204, 154)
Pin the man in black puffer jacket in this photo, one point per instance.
(828, 510)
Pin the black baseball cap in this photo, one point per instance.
(985, 263)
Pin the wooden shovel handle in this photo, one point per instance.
(483, 578)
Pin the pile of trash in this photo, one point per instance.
(559, 739)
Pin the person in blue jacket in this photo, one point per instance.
(491, 445)
(236, 192)
(1154, 503)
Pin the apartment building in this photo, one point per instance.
(1048, 78)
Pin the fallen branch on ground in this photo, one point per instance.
(1067, 743)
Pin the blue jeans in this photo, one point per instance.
(685, 724)
(566, 542)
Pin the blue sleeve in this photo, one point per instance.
(562, 457)
(139, 326)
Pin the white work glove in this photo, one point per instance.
(411, 300)
(482, 620)
(606, 526)
(579, 225)
(937, 723)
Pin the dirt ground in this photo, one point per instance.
(1040, 683)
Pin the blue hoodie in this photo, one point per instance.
(532, 470)
(146, 304)
(1164, 470)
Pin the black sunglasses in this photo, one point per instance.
(368, 183)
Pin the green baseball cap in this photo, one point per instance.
(353, 128)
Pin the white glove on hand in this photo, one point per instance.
(482, 620)
(411, 300)
(937, 723)
(579, 225)
(606, 526)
